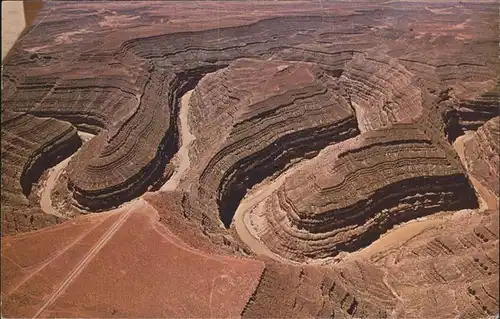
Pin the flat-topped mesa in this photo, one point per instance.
(257, 117)
(29, 146)
(381, 90)
(481, 155)
(354, 191)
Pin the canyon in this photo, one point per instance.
(252, 159)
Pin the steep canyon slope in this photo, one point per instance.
(307, 159)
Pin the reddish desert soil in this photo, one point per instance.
(67, 270)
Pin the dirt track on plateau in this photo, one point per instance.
(64, 268)
(89, 256)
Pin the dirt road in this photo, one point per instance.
(91, 254)
(13, 24)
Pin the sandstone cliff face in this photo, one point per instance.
(481, 155)
(352, 192)
(29, 146)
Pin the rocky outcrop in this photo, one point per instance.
(131, 113)
(474, 113)
(109, 170)
(352, 192)
(462, 115)
(110, 105)
(446, 269)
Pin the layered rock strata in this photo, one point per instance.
(27, 151)
(446, 268)
(351, 290)
(462, 115)
(289, 80)
(447, 271)
(113, 170)
(482, 155)
(381, 90)
(473, 113)
(129, 58)
(352, 192)
(253, 126)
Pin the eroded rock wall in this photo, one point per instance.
(132, 88)
(27, 151)
(326, 292)
(448, 271)
(257, 117)
(352, 192)
(482, 152)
